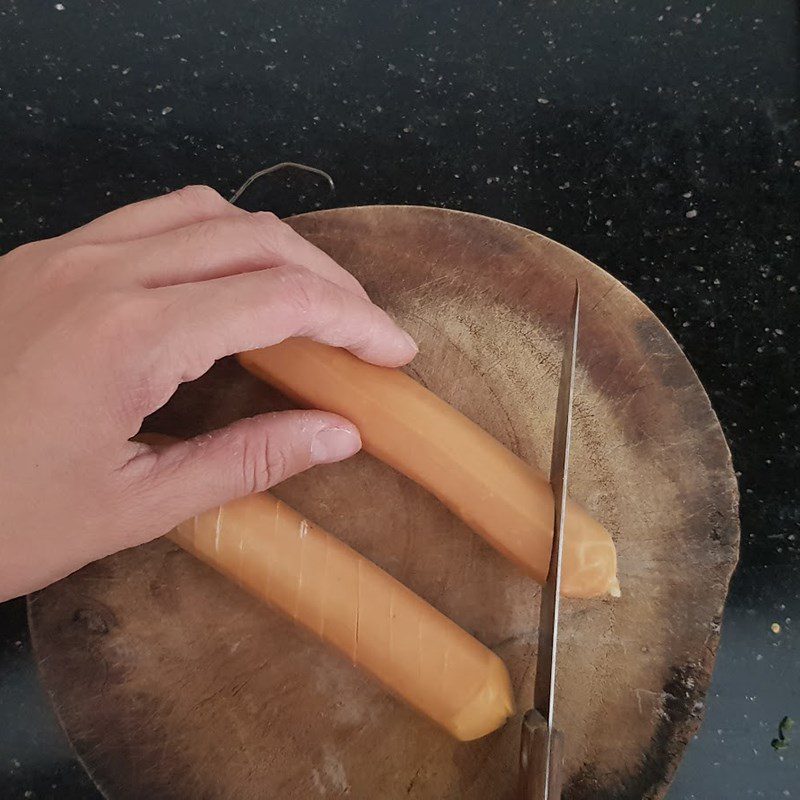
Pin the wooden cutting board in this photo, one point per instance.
(172, 683)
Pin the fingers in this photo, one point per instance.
(227, 245)
(187, 206)
(187, 478)
(194, 235)
(207, 321)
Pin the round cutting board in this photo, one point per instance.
(172, 683)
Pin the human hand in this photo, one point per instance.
(99, 326)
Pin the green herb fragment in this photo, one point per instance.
(779, 744)
(784, 726)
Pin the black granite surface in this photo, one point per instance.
(659, 139)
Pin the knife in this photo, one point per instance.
(541, 743)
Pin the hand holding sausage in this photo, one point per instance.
(99, 326)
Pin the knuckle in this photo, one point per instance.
(201, 199)
(199, 237)
(268, 218)
(208, 233)
(117, 323)
(201, 240)
(276, 466)
(118, 312)
(302, 291)
(263, 465)
(67, 264)
(272, 234)
(120, 323)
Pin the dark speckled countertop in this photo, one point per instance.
(658, 139)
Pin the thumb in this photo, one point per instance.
(187, 478)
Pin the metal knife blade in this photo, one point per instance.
(544, 688)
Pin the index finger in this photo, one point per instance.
(156, 215)
(206, 321)
(223, 246)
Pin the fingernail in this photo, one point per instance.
(334, 444)
(409, 340)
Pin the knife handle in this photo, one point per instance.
(533, 755)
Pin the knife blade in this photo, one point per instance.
(541, 748)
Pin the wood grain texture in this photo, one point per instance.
(171, 683)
